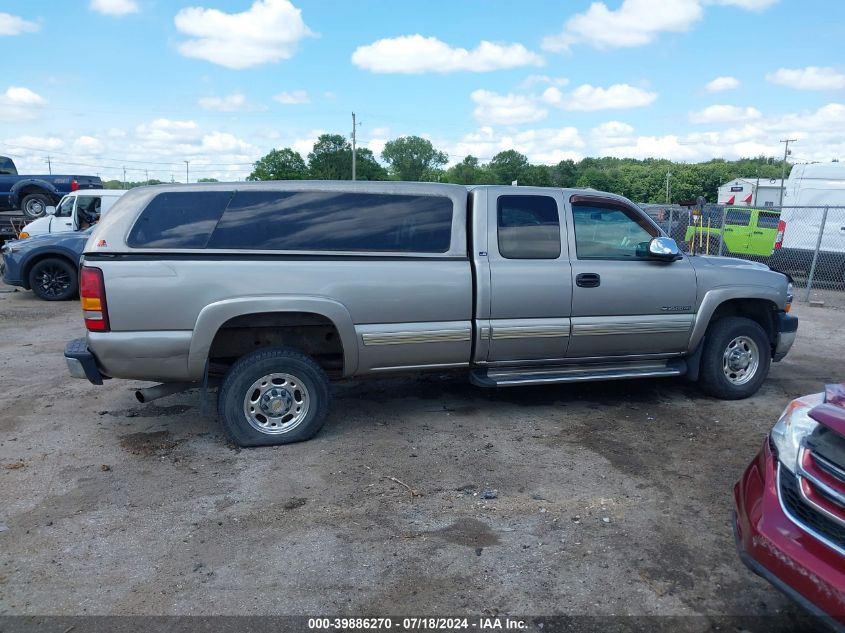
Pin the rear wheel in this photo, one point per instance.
(53, 280)
(736, 358)
(35, 205)
(273, 396)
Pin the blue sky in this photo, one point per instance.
(99, 84)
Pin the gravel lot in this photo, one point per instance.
(611, 498)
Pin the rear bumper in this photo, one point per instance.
(773, 546)
(81, 362)
(787, 329)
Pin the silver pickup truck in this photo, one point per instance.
(275, 288)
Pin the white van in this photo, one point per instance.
(77, 210)
(808, 190)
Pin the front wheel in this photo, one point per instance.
(736, 359)
(53, 280)
(273, 396)
(35, 205)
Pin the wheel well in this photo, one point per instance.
(760, 310)
(311, 334)
(30, 264)
(30, 189)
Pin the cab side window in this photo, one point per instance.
(528, 227)
(610, 233)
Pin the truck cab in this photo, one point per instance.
(75, 211)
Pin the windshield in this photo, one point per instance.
(65, 208)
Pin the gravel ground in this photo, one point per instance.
(610, 499)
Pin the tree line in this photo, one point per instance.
(412, 158)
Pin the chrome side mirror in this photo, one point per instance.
(664, 248)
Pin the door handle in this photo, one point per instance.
(587, 280)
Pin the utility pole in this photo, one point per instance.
(354, 148)
(668, 195)
(124, 177)
(49, 165)
(786, 143)
(187, 179)
(147, 174)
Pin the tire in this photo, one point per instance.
(35, 205)
(269, 378)
(728, 344)
(53, 279)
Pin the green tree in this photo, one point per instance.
(331, 158)
(207, 180)
(469, 172)
(367, 167)
(508, 166)
(279, 164)
(412, 158)
(565, 174)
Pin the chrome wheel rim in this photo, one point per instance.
(53, 281)
(276, 404)
(741, 360)
(35, 207)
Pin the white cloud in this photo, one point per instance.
(268, 31)
(15, 25)
(636, 22)
(114, 7)
(87, 145)
(230, 103)
(720, 84)
(809, 78)
(415, 54)
(533, 80)
(724, 114)
(749, 5)
(544, 145)
(20, 104)
(510, 109)
(612, 133)
(821, 135)
(293, 97)
(587, 98)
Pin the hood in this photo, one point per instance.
(41, 225)
(725, 262)
(43, 239)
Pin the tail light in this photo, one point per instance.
(92, 295)
(74, 185)
(781, 231)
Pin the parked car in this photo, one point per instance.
(79, 209)
(747, 231)
(34, 194)
(276, 287)
(789, 519)
(46, 264)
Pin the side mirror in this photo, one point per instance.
(51, 210)
(664, 249)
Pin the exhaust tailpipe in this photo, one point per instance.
(148, 394)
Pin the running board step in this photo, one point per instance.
(518, 376)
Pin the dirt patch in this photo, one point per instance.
(152, 444)
(469, 532)
(294, 503)
(15, 465)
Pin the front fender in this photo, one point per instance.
(716, 297)
(214, 315)
(15, 193)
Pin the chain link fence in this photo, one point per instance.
(807, 243)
